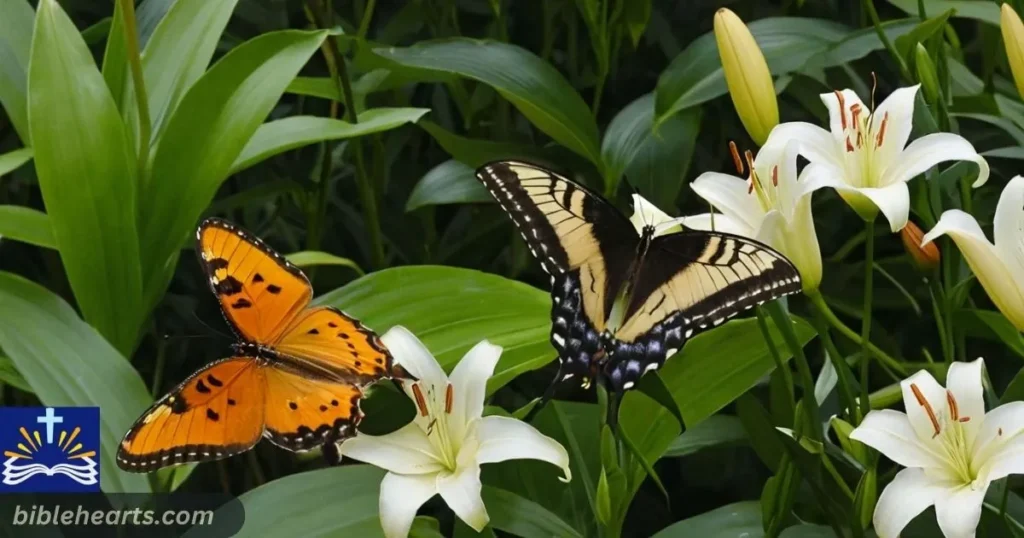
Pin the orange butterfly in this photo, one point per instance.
(295, 377)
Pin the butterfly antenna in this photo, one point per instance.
(207, 325)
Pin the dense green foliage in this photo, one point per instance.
(346, 134)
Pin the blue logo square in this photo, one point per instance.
(50, 449)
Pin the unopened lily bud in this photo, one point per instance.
(1013, 39)
(747, 75)
(925, 257)
(926, 74)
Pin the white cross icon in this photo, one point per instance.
(49, 419)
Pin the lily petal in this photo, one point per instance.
(503, 438)
(796, 239)
(414, 357)
(646, 213)
(816, 144)
(897, 111)
(932, 396)
(985, 262)
(406, 451)
(1009, 225)
(894, 202)
(400, 497)
(730, 195)
(1001, 427)
(909, 494)
(1009, 459)
(930, 150)
(469, 385)
(836, 112)
(891, 433)
(959, 511)
(964, 381)
(461, 491)
(719, 223)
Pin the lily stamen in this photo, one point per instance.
(881, 130)
(449, 397)
(736, 161)
(842, 108)
(927, 408)
(954, 411)
(421, 402)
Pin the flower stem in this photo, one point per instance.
(837, 324)
(869, 7)
(131, 40)
(787, 375)
(945, 338)
(785, 326)
(865, 325)
(838, 362)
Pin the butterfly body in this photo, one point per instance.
(296, 374)
(624, 300)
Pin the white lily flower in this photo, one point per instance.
(999, 266)
(866, 156)
(950, 447)
(440, 452)
(772, 206)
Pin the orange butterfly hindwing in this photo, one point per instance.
(297, 376)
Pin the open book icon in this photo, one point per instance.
(84, 472)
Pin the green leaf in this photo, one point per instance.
(729, 521)
(536, 88)
(906, 43)
(9, 375)
(760, 430)
(695, 75)
(654, 388)
(450, 182)
(522, 517)
(292, 132)
(1015, 390)
(312, 257)
(337, 501)
(655, 161)
(714, 431)
(477, 152)
(67, 363)
(636, 15)
(451, 310)
(87, 176)
(204, 137)
(26, 225)
(858, 44)
(12, 160)
(16, 19)
(717, 366)
(982, 11)
(178, 53)
(990, 326)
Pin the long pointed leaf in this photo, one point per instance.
(26, 225)
(15, 40)
(206, 134)
(67, 363)
(87, 175)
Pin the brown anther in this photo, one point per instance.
(965, 419)
(954, 411)
(736, 160)
(775, 176)
(881, 130)
(849, 146)
(421, 402)
(860, 139)
(927, 408)
(855, 110)
(750, 188)
(448, 399)
(842, 108)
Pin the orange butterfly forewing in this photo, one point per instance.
(297, 376)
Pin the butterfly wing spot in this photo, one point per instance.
(334, 403)
(212, 415)
(178, 404)
(214, 381)
(293, 406)
(257, 278)
(343, 336)
(201, 387)
(323, 408)
(273, 289)
(228, 285)
(241, 303)
(332, 324)
(313, 331)
(231, 401)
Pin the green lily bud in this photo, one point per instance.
(926, 74)
(747, 75)
(1013, 39)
